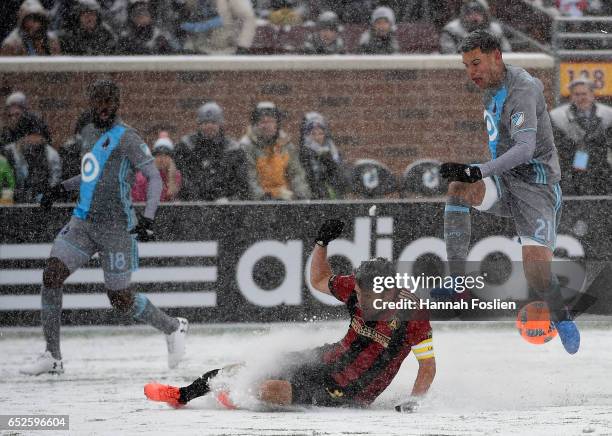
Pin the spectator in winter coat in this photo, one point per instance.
(35, 162)
(380, 38)
(31, 37)
(7, 181)
(15, 106)
(583, 136)
(212, 164)
(142, 37)
(112, 12)
(91, 36)
(474, 15)
(274, 169)
(326, 39)
(320, 158)
(163, 151)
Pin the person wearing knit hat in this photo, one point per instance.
(474, 15)
(274, 168)
(91, 36)
(142, 36)
(326, 38)
(17, 98)
(380, 38)
(16, 104)
(325, 170)
(163, 151)
(163, 145)
(36, 163)
(31, 37)
(210, 113)
(212, 164)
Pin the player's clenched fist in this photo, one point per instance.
(457, 172)
(329, 231)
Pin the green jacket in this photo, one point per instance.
(7, 178)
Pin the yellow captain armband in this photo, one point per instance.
(423, 350)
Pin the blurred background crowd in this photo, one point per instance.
(148, 27)
(266, 163)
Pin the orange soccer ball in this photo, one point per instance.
(533, 323)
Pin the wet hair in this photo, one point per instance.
(482, 39)
(368, 270)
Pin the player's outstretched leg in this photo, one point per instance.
(50, 361)
(177, 397)
(537, 265)
(141, 309)
(457, 227)
(561, 316)
(457, 232)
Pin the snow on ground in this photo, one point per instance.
(489, 381)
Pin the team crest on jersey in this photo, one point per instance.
(393, 324)
(518, 119)
(491, 126)
(90, 168)
(335, 394)
(361, 329)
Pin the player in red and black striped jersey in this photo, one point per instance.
(358, 368)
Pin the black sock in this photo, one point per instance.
(554, 300)
(198, 388)
(51, 318)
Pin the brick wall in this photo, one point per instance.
(393, 115)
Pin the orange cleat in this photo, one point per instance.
(224, 399)
(164, 393)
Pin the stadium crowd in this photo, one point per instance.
(158, 27)
(265, 163)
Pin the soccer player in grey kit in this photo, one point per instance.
(520, 181)
(105, 222)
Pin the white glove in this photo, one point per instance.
(411, 405)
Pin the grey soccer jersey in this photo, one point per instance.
(109, 161)
(519, 106)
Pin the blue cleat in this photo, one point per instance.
(569, 334)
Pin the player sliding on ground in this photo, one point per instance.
(353, 371)
(521, 181)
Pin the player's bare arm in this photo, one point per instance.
(425, 376)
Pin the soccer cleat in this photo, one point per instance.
(163, 393)
(569, 334)
(176, 343)
(224, 399)
(44, 364)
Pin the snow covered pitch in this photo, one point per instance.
(489, 381)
